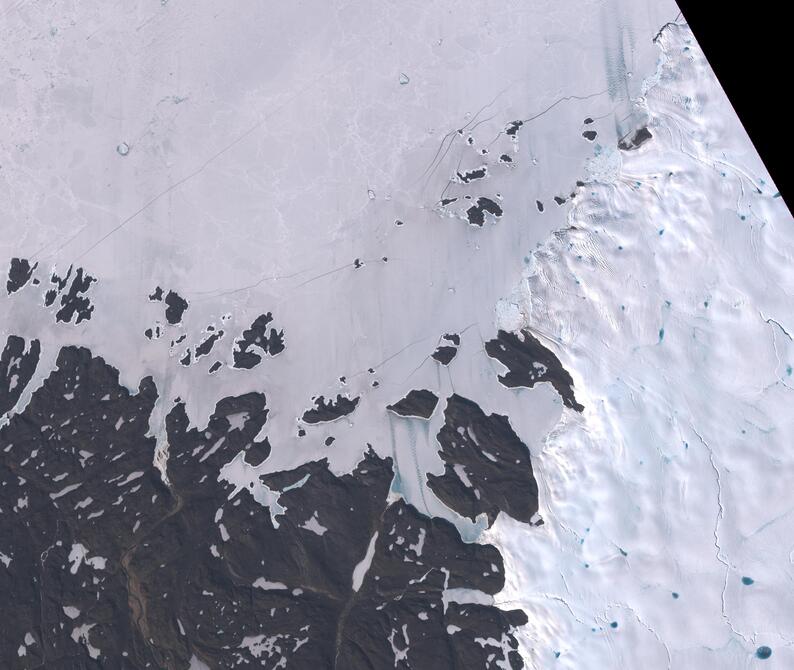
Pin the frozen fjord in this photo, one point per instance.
(289, 206)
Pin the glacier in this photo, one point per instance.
(459, 325)
(667, 297)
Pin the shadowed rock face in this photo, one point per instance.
(329, 410)
(74, 303)
(639, 138)
(17, 364)
(472, 175)
(19, 274)
(445, 353)
(487, 467)
(175, 307)
(260, 336)
(476, 213)
(511, 130)
(529, 363)
(447, 349)
(417, 403)
(205, 346)
(110, 568)
(77, 487)
(399, 607)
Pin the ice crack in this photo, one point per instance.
(720, 554)
(650, 629)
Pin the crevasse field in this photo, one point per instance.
(375, 335)
(667, 296)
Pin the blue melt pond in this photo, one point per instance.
(747, 581)
(614, 624)
(675, 595)
(763, 652)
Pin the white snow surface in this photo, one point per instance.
(669, 299)
(266, 146)
(361, 569)
(218, 151)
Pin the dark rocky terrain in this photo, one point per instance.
(111, 567)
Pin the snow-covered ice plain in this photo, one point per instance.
(413, 335)
(669, 539)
